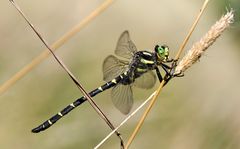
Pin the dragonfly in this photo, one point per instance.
(136, 68)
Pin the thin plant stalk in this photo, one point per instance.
(204, 6)
(198, 48)
(141, 121)
(37, 60)
(74, 79)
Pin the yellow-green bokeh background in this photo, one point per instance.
(198, 111)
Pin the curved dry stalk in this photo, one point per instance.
(191, 30)
(21, 73)
(73, 78)
(140, 123)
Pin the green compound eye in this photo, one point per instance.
(162, 52)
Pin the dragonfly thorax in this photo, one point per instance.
(142, 62)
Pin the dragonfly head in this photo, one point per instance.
(162, 52)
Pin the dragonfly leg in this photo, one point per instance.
(166, 68)
(170, 60)
(170, 71)
(159, 75)
(179, 74)
(167, 78)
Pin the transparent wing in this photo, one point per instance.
(125, 47)
(146, 81)
(113, 67)
(122, 98)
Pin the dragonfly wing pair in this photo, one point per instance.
(122, 95)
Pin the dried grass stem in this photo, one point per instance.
(210, 37)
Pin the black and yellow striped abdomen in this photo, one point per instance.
(76, 103)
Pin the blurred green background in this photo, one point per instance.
(199, 111)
